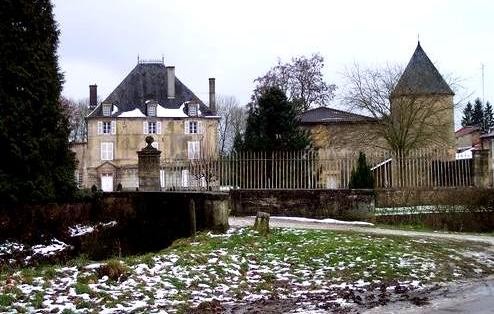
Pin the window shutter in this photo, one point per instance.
(145, 127)
(193, 150)
(114, 127)
(200, 129)
(186, 126)
(158, 127)
(197, 150)
(190, 149)
(110, 151)
(100, 127)
(103, 150)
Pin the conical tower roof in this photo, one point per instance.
(421, 78)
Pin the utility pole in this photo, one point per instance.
(483, 86)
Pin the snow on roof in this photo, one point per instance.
(162, 112)
(136, 113)
(170, 113)
(115, 110)
(465, 154)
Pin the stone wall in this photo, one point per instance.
(146, 221)
(433, 196)
(338, 204)
(347, 137)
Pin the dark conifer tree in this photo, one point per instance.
(478, 113)
(272, 124)
(361, 178)
(488, 118)
(37, 164)
(466, 120)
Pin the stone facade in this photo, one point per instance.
(347, 137)
(432, 123)
(129, 138)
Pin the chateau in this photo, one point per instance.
(151, 100)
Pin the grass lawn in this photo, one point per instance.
(242, 267)
(425, 228)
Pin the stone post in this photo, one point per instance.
(481, 174)
(149, 167)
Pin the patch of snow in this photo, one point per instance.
(53, 248)
(79, 230)
(136, 113)
(170, 113)
(115, 110)
(325, 221)
(9, 247)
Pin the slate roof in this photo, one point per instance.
(330, 115)
(466, 130)
(145, 82)
(421, 78)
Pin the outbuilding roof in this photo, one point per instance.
(330, 115)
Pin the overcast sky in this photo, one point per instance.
(237, 41)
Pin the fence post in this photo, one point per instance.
(482, 177)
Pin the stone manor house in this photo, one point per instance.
(151, 100)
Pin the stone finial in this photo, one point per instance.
(149, 140)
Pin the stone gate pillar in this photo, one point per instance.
(149, 167)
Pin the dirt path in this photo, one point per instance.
(280, 222)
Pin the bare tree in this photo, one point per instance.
(406, 122)
(233, 119)
(301, 80)
(76, 112)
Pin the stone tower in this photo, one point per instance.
(422, 106)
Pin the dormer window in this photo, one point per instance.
(106, 110)
(193, 110)
(151, 110)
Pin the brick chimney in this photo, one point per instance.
(170, 79)
(212, 95)
(93, 96)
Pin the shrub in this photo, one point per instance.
(361, 178)
(114, 269)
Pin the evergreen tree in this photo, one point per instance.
(272, 124)
(467, 115)
(488, 118)
(478, 113)
(37, 164)
(238, 143)
(361, 178)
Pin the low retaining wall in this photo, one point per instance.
(433, 196)
(338, 204)
(145, 221)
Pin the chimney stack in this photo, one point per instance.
(170, 79)
(212, 95)
(93, 96)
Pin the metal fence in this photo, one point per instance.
(314, 170)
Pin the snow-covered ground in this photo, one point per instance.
(325, 221)
(306, 270)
